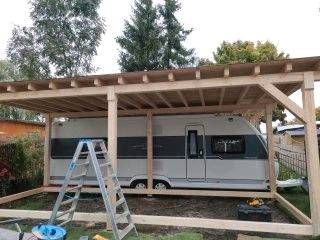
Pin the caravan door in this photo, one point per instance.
(195, 152)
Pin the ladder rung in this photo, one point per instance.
(74, 188)
(85, 152)
(111, 176)
(78, 176)
(68, 201)
(82, 164)
(116, 189)
(120, 201)
(65, 212)
(105, 164)
(100, 152)
(96, 140)
(122, 215)
(125, 231)
(64, 223)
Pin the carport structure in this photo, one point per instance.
(246, 89)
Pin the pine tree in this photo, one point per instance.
(141, 40)
(174, 53)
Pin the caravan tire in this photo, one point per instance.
(158, 184)
(139, 184)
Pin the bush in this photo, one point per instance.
(24, 158)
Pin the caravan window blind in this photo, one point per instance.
(228, 144)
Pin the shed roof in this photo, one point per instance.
(216, 88)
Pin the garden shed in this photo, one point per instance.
(251, 90)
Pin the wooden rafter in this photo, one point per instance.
(97, 82)
(88, 103)
(53, 85)
(288, 67)
(11, 88)
(226, 72)
(222, 93)
(76, 105)
(129, 101)
(256, 70)
(145, 78)
(28, 107)
(171, 77)
(58, 104)
(121, 80)
(183, 98)
(203, 102)
(198, 74)
(146, 100)
(243, 94)
(164, 99)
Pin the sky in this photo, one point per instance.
(292, 25)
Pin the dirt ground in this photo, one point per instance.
(202, 207)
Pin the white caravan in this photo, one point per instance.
(190, 151)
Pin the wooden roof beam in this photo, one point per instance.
(97, 82)
(28, 107)
(32, 87)
(262, 96)
(105, 101)
(203, 102)
(121, 80)
(146, 100)
(145, 78)
(88, 103)
(164, 99)
(57, 103)
(74, 83)
(288, 67)
(42, 106)
(171, 77)
(183, 99)
(243, 94)
(198, 74)
(226, 72)
(222, 93)
(11, 88)
(53, 85)
(130, 102)
(256, 70)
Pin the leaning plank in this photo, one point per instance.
(178, 192)
(17, 196)
(283, 228)
(300, 216)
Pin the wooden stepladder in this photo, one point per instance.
(94, 152)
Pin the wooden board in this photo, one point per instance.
(17, 196)
(191, 222)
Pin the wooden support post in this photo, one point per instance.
(312, 153)
(47, 150)
(112, 131)
(272, 175)
(149, 151)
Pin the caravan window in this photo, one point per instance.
(228, 144)
(192, 143)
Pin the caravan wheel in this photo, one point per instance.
(161, 185)
(139, 184)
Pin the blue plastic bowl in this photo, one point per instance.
(49, 232)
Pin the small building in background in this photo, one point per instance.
(294, 135)
(10, 128)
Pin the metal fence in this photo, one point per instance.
(292, 157)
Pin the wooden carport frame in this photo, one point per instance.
(276, 79)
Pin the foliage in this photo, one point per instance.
(204, 62)
(62, 40)
(27, 159)
(247, 52)
(9, 73)
(318, 113)
(25, 52)
(141, 40)
(174, 53)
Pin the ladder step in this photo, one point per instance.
(111, 176)
(78, 176)
(125, 231)
(64, 223)
(68, 201)
(115, 189)
(119, 202)
(74, 188)
(105, 164)
(84, 153)
(82, 164)
(100, 152)
(65, 212)
(122, 215)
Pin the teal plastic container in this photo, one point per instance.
(49, 232)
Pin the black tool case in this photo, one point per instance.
(249, 213)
